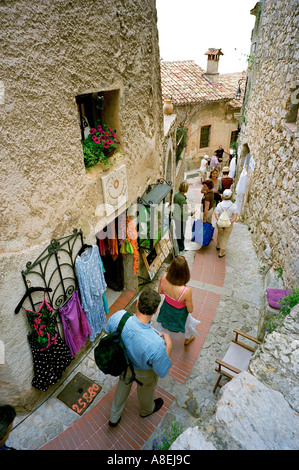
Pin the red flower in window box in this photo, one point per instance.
(100, 145)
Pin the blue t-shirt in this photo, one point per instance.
(145, 348)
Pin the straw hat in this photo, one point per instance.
(225, 169)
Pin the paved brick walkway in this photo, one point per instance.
(91, 431)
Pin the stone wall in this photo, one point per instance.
(258, 409)
(51, 52)
(270, 206)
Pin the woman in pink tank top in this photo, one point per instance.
(178, 304)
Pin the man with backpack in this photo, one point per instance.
(149, 352)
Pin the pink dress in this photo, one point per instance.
(75, 325)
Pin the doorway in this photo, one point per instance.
(112, 259)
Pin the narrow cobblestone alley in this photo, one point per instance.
(226, 294)
(106, 114)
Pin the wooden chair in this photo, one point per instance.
(236, 358)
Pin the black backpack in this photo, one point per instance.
(110, 354)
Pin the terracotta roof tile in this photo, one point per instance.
(185, 82)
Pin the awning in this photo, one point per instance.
(156, 194)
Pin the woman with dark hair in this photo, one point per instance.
(207, 200)
(175, 311)
(7, 416)
(217, 186)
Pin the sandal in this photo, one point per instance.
(188, 340)
(221, 256)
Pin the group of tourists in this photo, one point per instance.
(149, 348)
(216, 200)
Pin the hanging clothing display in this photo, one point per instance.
(43, 325)
(105, 301)
(48, 364)
(92, 286)
(107, 241)
(112, 240)
(102, 246)
(132, 238)
(232, 168)
(75, 325)
(240, 190)
(51, 355)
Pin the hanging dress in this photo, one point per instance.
(51, 356)
(241, 190)
(48, 364)
(92, 286)
(174, 316)
(75, 325)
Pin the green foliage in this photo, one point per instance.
(279, 272)
(287, 303)
(258, 16)
(171, 432)
(181, 139)
(101, 144)
(250, 60)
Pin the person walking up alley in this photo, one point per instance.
(149, 352)
(224, 232)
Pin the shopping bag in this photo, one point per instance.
(207, 236)
(202, 233)
(197, 231)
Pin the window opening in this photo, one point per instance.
(205, 133)
(98, 115)
(293, 108)
(90, 108)
(234, 137)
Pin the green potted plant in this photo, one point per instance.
(100, 145)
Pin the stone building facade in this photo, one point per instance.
(268, 146)
(53, 53)
(205, 103)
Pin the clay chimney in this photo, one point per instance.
(212, 64)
